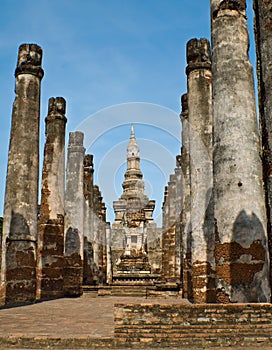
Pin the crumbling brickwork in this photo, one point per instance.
(191, 326)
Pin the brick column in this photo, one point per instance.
(51, 223)
(199, 81)
(18, 270)
(241, 251)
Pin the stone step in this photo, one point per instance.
(119, 290)
(181, 333)
(129, 291)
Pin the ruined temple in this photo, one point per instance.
(134, 230)
(214, 245)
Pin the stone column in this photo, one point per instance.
(241, 251)
(172, 200)
(178, 209)
(88, 219)
(18, 270)
(51, 223)
(263, 35)
(109, 255)
(199, 81)
(169, 238)
(74, 216)
(186, 233)
(99, 237)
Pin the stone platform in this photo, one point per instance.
(86, 323)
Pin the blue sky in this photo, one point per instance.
(114, 61)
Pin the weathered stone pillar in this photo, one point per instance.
(88, 220)
(186, 233)
(178, 209)
(74, 216)
(199, 81)
(96, 233)
(263, 35)
(99, 237)
(169, 238)
(51, 223)
(241, 251)
(109, 255)
(18, 270)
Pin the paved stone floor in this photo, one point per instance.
(68, 317)
(85, 316)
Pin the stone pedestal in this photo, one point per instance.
(18, 270)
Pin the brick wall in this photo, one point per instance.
(193, 325)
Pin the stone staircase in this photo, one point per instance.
(119, 290)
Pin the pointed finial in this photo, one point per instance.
(132, 135)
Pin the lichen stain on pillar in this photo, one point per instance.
(18, 268)
(20, 262)
(240, 219)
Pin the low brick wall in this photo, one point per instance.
(181, 325)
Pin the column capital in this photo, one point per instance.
(29, 60)
(232, 5)
(198, 54)
(184, 107)
(56, 109)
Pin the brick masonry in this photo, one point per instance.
(192, 325)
